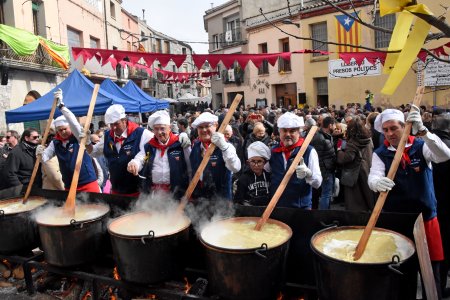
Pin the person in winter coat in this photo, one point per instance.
(20, 162)
(355, 157)
(412, 188)
(258, 134)
(253, 184)
(216, 180)
(65, 147)
(165, 159)
(441, 127)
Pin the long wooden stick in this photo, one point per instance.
(39, 157)
(391, 175)
(273, 202)
(205, 160)
(69, 207)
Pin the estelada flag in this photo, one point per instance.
(348, 32)
(141, 48)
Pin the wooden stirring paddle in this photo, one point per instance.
(69, 206)
(39, 157)
(211, 148)
(273, 202)
(391, 174)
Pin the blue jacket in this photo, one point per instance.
(297, 192)
(413, 190)
(122, 181)
(67, 157)
(179, 178)
(216, 177)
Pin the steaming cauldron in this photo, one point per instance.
(18, 230)
(68, 241)
(148, 247)
(243, 263)
(385, 271)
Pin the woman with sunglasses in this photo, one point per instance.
(20, 162)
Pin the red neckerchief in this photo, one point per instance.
(206, 145)
(406, 160)
(155, 143)
(287, 150)
(130, 128)
(59, 138)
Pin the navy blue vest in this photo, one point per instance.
(67, 157)
(216, 177)
(122, 181)
(179, 178)
(413, 190)
(297, 192)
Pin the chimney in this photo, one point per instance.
(143, 14)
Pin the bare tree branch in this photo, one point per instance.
(430, 53)
(439, 23)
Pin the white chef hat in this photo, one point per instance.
(160, 117)
(60, 121)
(205, 117)
(114, 113)
(290, 120)
(258, 149)
(388, 115)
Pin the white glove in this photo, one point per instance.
(219, 140)
(303, 171)
(184, 140)
(133, 168)
(40, 150)
(87, 135)
(58, 95)
(384, 184)
(416, 120)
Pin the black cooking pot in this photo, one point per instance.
(73, 242)
(255, 273)
(18, 230)
(152, 257)
(341, 280)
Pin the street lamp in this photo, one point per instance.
(289, 22)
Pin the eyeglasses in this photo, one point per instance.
(34, 137)
(257, 162)
(8, 136)
(203, 127)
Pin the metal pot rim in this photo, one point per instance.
(330, 229)
(139, 236)
(87, 221)
(246, 250)
(19, 199)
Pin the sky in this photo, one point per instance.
(179, 19)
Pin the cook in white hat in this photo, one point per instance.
(120, 145)
(297, 192)
(223, 162)
(413, 189)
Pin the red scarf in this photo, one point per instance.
(287, 150)
(59, 138)
(130, 128)
(406, 160)
(155, 143)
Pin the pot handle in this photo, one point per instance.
(76, 224)
(263, 248)
(395, 264)
(2, 213)
(150, 236)
(335, 223)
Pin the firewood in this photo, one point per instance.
(6, 274)
(18, 272)
(5, 284)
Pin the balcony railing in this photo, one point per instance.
(284, 65)
(264, 68)
(235, 37)
(39, 60)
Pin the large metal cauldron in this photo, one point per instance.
(251, 273)
(18, 230)
(342, 280)
(147, 250)
(76, 241)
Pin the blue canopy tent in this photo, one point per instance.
(133, 104)
(77, 91)
(148, 103)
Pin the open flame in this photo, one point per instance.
(116, 273)
(151, 296)
(280, 296)
(187, 286)
(112, 296)
(87, 296)
(6, 263)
